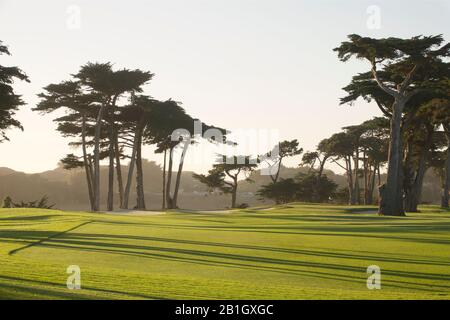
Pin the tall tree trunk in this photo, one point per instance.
(277, 175)
(139, 173)
(98, 128)
(367, 182)
(126, 195)
(110, 204)
(321, 167)
(234, 193)
(118, 168)
(87, 168)
(371, 185)
(164, 182)
(413, 191)
(379, 174)
(169, 201)
(391, 192)
(446, 186)
(409, 174)
(180, 171)
(356, 192)
(366, 177)
(316, 193)
(351, 197)
(91, 173)
(413, 198)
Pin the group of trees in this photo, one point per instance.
(310, 187)
(409, 82)
(109, 118)
(225, 175)
(360, 150)
(304, 187)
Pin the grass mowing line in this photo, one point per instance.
(284, 253)
(48, 238)
(31, 285)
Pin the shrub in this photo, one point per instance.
(283, 191)
(305, 187)
(7, 202)
(39, 204)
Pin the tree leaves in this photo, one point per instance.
(9, 100)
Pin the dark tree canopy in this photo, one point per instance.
(225, 174)
(274, 158)
(303, 188)
(9, 100)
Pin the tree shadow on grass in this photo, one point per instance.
(306, 252)
(375, 232)
(331, 230)
(43, 236)
(90, 242)
(84, 241)
(28, 218)
(29, 292)
(31, 288)
(321, 270)
(55, 234)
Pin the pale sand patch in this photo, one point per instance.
(124, 212)
(265, 209)
(204, 211)
(372, 211)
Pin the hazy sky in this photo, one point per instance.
(250, 64)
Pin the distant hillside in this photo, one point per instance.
(68, 190)
(6, 171)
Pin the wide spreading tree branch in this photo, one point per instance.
(408, 79)
(383, 109)
(383, 87)
(340, 165)
(412, 93)
(228, 183)
(229, 174)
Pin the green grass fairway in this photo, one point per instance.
(300, 251)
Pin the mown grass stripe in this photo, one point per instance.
(48, 238)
